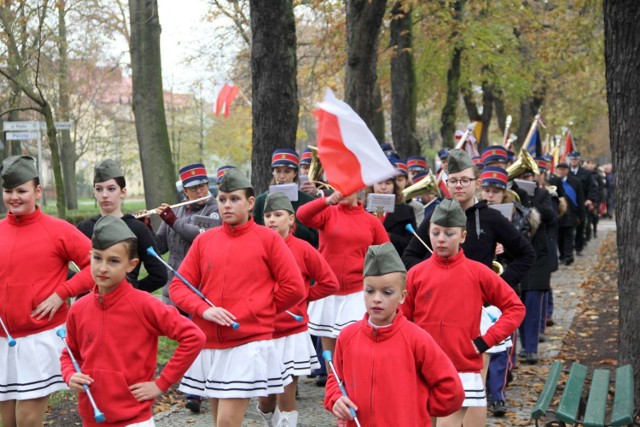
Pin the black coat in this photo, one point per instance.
(481, 246)
(539, 277)
(395, 223)
(574, 213)
(157, 271)
(589, 184)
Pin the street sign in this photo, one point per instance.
(63, 125)
(22, 136)
(21, 126)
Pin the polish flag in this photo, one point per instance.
(226, 95)
(442, 184)
(350, 155)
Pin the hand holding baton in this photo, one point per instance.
(327, 356)
(153, 253)
(97, 414)
(11, 341)
(410, 229)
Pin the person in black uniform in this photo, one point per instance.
(570, 188)
(485, 226)
(109, 189)
(589, 196)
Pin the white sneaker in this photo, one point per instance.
(288, 419)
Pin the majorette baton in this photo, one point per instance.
(12, 342)
(97, 414)
(327, 356)
(152, 252)
(411, 230)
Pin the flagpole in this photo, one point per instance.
(506, 131)
(532, 129)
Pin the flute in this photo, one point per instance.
(149, 212)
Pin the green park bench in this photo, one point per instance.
(587, 407)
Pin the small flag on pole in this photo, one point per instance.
(569, 146)
(350, 155)
(226, 95)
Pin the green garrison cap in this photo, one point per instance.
(459, 160)
(382, 259)
(106, 170)
(16, 170)
(110, 230)
(278, 201)
(234, 180)
(449, 213)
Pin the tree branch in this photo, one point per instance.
(37, 109)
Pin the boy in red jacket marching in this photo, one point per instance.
(383, 358)
(445, 294)
(291, 337)
(249, 274)
(113, 333)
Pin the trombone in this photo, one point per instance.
(427, 185)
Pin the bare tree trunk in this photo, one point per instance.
(68, 147)
(275, 90)
(403, 82)
(501, 114)
(448, 128)
(158, 171)
(364, 18)
(378, 125)
(622, 58)
(55, 158)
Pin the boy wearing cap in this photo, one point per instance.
(291, 337)
(284, 166)
(118, 362)
(110, 189)
(402, 182)
(34, 256)
(444, 296)
(179, 228)
(383, 358)
(416, 164)
(249, 274)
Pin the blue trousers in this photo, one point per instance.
(530, 327)
(318, 345)
(497, 376)
(547, 309)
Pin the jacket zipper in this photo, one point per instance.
(373, 363)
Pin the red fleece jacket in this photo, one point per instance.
(346, 232)
(445, 297)
(237, 268)
(396, 376)
(35, 251)
(313, 267)
(114, 338)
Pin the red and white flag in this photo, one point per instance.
(350, 155)
(226, 95)
(569, 146)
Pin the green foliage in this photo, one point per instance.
(166, 347)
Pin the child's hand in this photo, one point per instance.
(145, 391)
(341, 408)
(48, 307)
(77, 381)
(499, 249)
(334, 199)
(219, 315)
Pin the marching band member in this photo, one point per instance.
(291, 337)
(109, 189)
(250, 275)
(284, 166)
(32, 300)
(368, 352)
(179, 228)
(402, 182)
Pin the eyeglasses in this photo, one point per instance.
(464, 182)
(197, 187)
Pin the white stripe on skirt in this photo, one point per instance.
(327, 316)
(297, 354)
(31, 369)
(249, 370)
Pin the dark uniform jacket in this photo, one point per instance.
(485, 228)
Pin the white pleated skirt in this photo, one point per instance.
(297, 354)
(249, 370)
(474, 394)
(31, 369)
(327, 316)
(486, 322)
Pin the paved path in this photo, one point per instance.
(521, 394)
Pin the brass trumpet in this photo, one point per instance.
(497, 268)
(524, 164)
(427, 185)
(316, 171)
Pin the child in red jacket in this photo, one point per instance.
(446, 292)
(346, 231)
(384, 358)
(249, 274)
(113, 333)
(291, 337)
